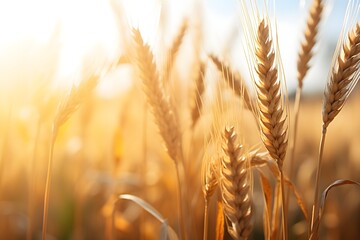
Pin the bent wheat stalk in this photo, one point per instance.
(163, 111)
(272, 118)
(344, 76)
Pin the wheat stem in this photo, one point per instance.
(48, 181)
(144, 165)
(206, 219)
(182, 234)
(284, 213)
(315, 206)
(295, 128)
(293, 142)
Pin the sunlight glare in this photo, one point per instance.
(83, 27)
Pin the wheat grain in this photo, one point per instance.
(273, 124)
(308, 43)
(235, 188)
(345, 74)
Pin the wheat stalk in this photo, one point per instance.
(234, 80)
(65, 109)
(304, 57)
(273, 122)
(307, 45)
(235, 187)
(163, 110)
(345, 74)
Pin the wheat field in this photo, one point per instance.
(171, 140)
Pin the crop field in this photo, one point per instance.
(168, 132)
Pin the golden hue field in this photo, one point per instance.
(169, 141)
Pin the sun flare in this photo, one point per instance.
(75, 27)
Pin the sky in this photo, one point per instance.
(88, 26)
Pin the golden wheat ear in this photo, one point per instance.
(235, 188)
(273, 122)
(199, 91)
(234, 80)
(209, 186)
(164, 113)
(345, 75)
(209, 178)
(163, 110)
(307, 45)
(72, 102)
(173, 51)
(272, 110)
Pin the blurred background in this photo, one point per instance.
(56, 43)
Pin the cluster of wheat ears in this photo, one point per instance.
(229, 169)
(222, 167)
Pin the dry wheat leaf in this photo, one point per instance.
(299, 199)
(338, 183)
(166, 230)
